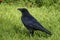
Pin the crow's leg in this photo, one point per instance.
(31, 32)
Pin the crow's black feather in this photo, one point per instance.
(31, 23)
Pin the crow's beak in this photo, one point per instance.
(18, 9)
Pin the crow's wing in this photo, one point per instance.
(32, 23)
(35, 24)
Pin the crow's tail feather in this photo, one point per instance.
(46, 31)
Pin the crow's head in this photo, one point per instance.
(22, 9)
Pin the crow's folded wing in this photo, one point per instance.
(33, 23)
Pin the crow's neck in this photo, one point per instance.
(26, 14)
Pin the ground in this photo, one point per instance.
(12, 28)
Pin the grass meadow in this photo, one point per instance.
(12, 28)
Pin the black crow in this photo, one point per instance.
(31, 23)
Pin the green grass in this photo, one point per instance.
(11, 27)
